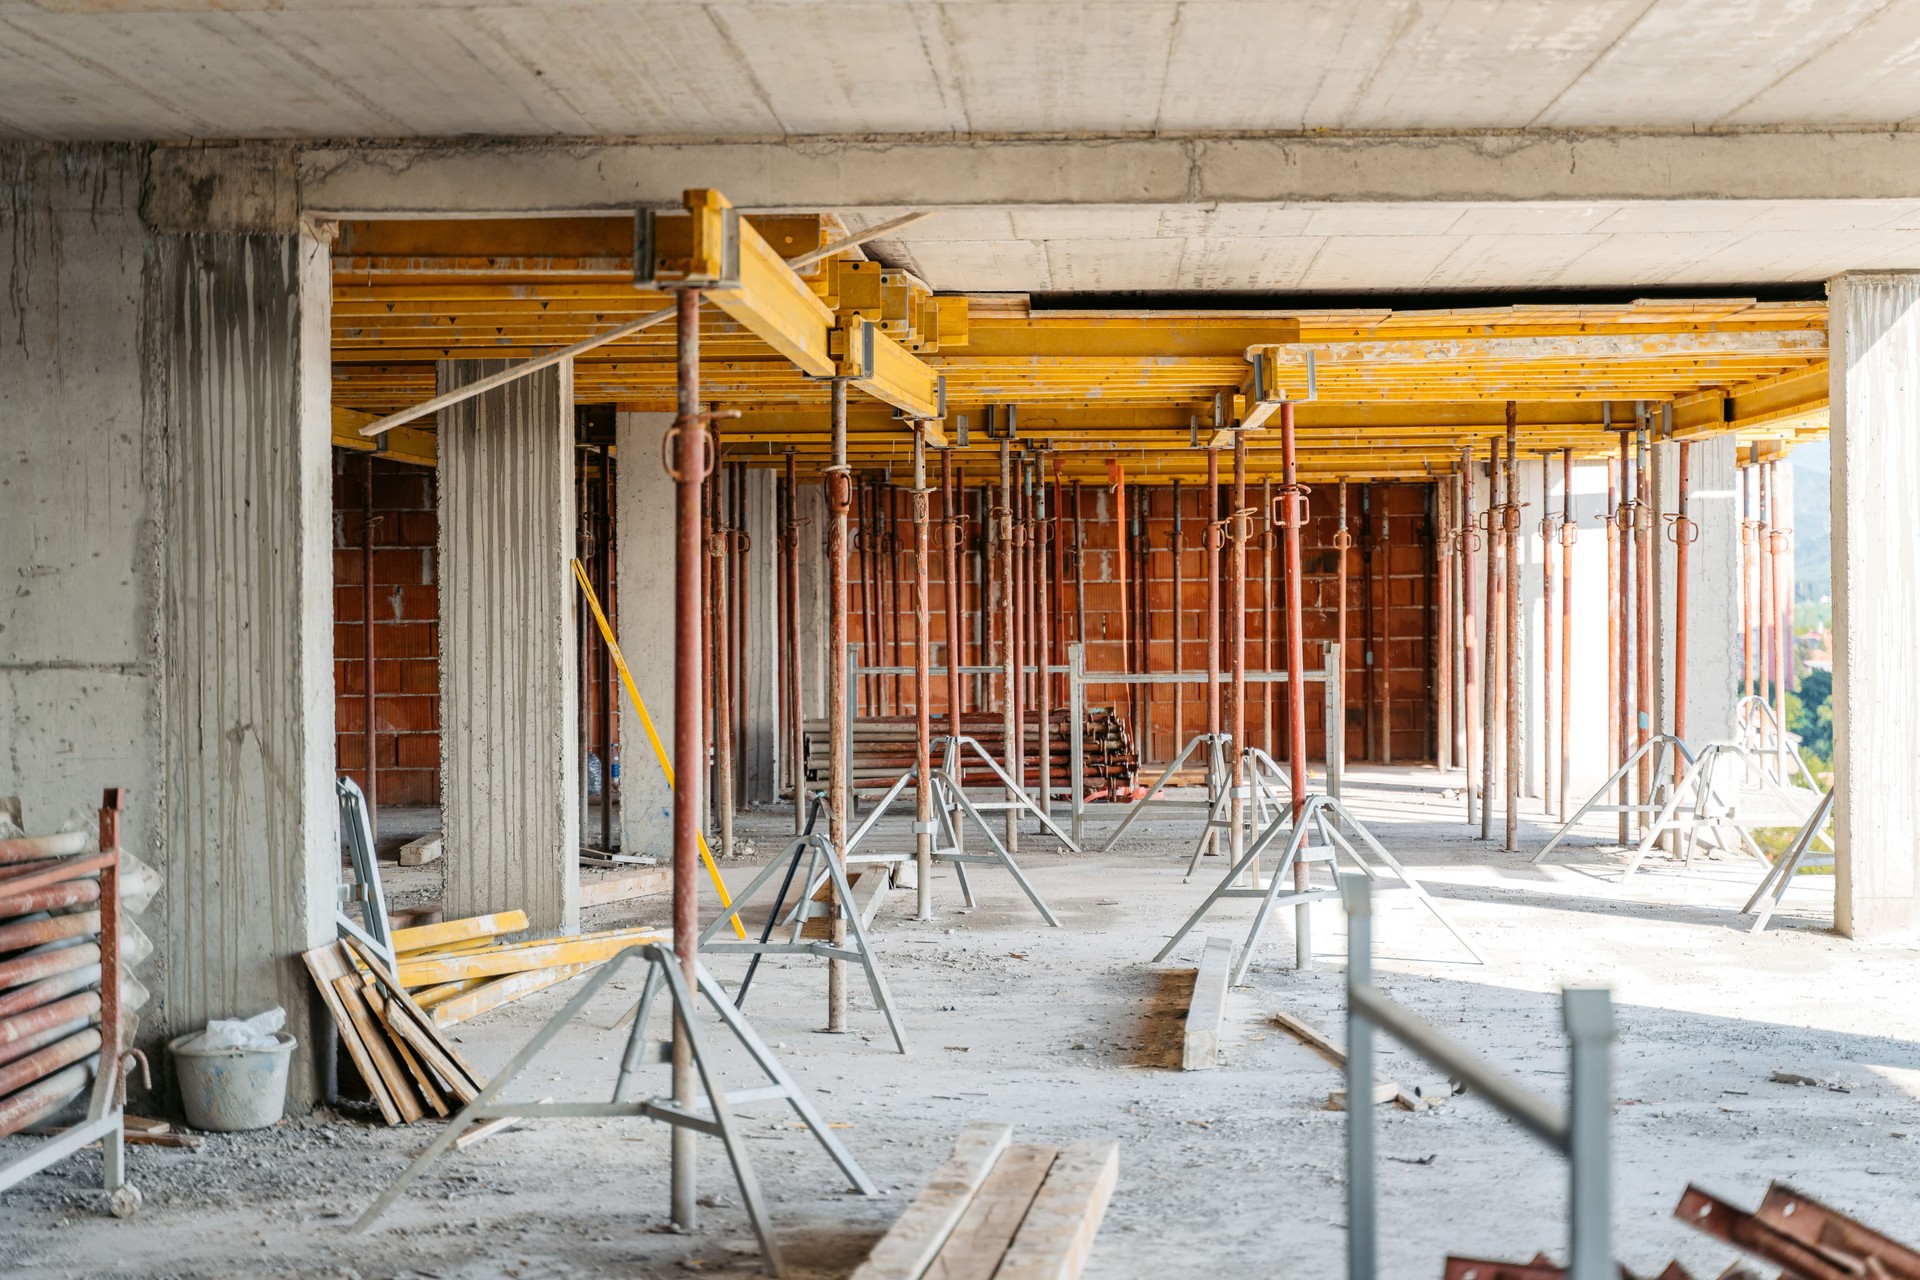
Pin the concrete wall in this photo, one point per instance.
(1875, 388)
(509, 677)
(164, 421)
(643, 511)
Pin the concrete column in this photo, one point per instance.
(1874, 327)
(813, 599)
(165, 518)
(509, 714)
(1713, 589)
(644, 510)
(760, 743)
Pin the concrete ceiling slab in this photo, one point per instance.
(174, 69)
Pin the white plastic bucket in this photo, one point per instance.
(228, 1090)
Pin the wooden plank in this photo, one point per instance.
(543, 954)
(419, 852)
(1333, 1053)
(493, 993)
(1057, 1235)
(392, 1075)
(644, 883)
(421, 1077)
(420, 1031)
(326, 964)
(448, 932)
(428, 997)
(1207, 1010)
(979, 1240)
(909, 1247)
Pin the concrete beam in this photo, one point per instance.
(509, 696)
(1875, 389)
(415, 179)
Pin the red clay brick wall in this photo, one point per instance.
(406, 627)
(1397, 570)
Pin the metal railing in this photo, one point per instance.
(1578, 1131)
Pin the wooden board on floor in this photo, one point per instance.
(326, 964)
(905, 1252)
(1207, 1010)
(1057, 1235)
(491, 993)
(598, 891)
(980, 1239)
(1334, 1054)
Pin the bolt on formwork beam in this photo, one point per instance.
(1568, 534)
(1294, 497)
(839, 478)
(923, 686)
(690, 432)
(1490, 684)
(1515, 654)
(1009, 634)
(1237, 653)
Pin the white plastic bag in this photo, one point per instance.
(256, 1032)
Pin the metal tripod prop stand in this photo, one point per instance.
(950, 805)
(1701, 804)
(1219, 785)
(1323, 817)
(1774, 887)
(824, 872)
(1662, 747)
(716, 1120)
(1270, 796)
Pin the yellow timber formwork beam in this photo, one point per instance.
(713, 247)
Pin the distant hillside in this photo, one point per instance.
(1812, 522)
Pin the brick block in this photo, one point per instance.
(417, 751)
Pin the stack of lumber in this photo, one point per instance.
(392, 1023)
(883, 750)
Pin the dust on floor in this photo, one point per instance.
(1070, 1033)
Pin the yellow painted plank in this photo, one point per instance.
(449, 932)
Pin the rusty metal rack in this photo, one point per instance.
(61, 1022)
(1577, 1131)
(1805, 1238)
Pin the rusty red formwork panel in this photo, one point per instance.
(1541, 1269)
(1799, 1234)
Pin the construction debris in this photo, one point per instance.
(448, 972)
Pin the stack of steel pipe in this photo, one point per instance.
(60, 952)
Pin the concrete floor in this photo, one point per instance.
(1069, 1033)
